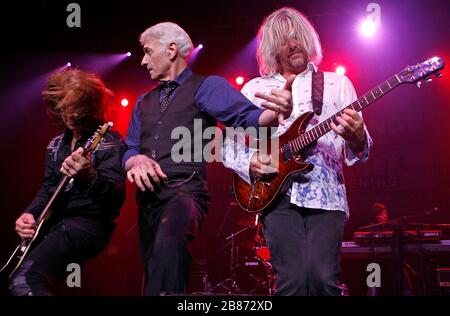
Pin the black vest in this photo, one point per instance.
(156, 132)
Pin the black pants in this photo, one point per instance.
(305, 247)
(72, 240)
(166, 228)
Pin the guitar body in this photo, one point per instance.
(27, 244)
(260, 194)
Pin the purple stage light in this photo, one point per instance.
(194, 54)
(368, 28)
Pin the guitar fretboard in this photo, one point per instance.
(324, 127)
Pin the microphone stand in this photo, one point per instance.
(233, 287)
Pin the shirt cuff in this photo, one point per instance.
(238, 159)
(253, 117)
(33, 212)
(128, 154)
(242, 167)
(351, 157)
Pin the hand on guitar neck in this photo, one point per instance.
(351, 129)
(78, 166)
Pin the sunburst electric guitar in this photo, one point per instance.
(258, 195)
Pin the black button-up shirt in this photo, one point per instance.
(102, 197)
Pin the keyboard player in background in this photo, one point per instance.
(381, 217)
(380, 213)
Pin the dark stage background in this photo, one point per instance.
(408, 169)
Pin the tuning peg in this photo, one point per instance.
(438, 75)
(418, 84)
(428, 80)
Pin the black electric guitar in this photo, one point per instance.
(260, 194)
(25, 245)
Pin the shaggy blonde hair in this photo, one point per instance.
(169, 32)
(279, 26)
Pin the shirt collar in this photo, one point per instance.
(310, 67)
(182, 77)
(68, 135)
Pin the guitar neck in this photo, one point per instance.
(46, 212)
(324, 127)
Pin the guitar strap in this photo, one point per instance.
(317, 91)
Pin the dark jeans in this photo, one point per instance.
(166, 228)
(72, 240)
(305, 247)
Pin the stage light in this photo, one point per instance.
(68, 65)
(129, 54)
(239, 80)
(368, 28)
(340, 70)
(124, 102)
(194, 54)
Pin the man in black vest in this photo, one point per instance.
(172, 196)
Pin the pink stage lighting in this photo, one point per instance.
(340, 70)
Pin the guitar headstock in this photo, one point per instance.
(422, 71)
(94, 140)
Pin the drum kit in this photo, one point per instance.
(250, 270)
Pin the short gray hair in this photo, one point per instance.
(279, 26)
(169, 32)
